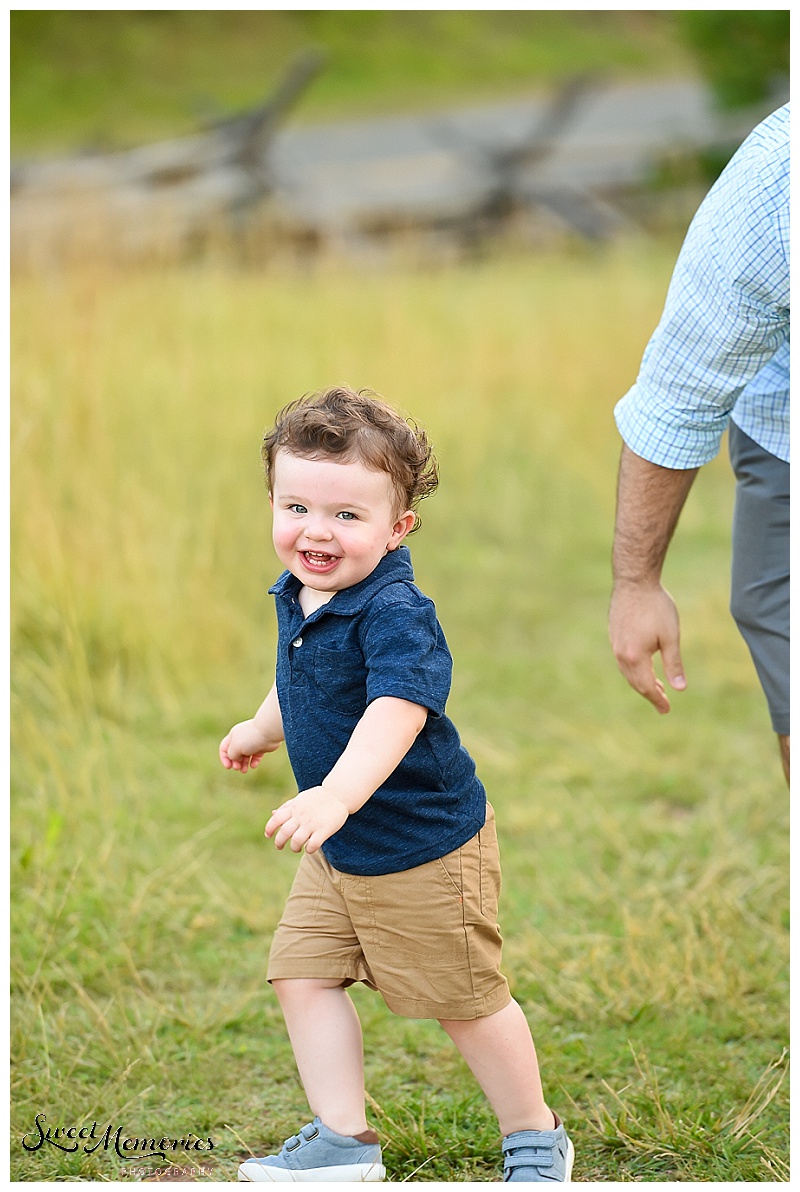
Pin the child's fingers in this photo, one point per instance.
(279, 816)
(235, 763)
(287, 831)
(299, 837)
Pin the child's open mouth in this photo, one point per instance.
(319, 561)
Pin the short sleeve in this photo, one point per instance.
(406, 655)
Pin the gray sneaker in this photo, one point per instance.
(538, 1156)
(317, 1154)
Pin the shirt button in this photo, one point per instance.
(298, 641)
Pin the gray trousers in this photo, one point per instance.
(760, 569)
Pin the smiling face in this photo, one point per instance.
(333, 521)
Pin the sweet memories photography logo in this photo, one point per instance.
(91, 1139)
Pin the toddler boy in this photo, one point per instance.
(399, 883)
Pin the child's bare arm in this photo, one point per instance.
(379, 742)
(248, 741)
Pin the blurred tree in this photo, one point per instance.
(744, 55)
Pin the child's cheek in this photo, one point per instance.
(282, 537)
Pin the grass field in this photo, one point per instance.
(645, 859)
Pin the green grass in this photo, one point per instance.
(105, 78)
(645, 858)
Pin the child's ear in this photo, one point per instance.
(271, 501)
(401, 527)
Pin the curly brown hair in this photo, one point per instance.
(346, 424)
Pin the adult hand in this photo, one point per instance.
(643, 621)
(307, 820)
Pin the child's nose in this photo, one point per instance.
(318, 530)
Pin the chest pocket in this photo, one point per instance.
(341, 678)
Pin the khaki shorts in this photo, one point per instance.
(426, 938)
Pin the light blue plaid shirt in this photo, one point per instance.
(723, 339)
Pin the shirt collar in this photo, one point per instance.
(394, 567)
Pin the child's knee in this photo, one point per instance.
(300, 989)
(456, 1027)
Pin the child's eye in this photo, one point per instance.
(346, 516)
(297, 509)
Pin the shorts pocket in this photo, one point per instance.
(490, 873)
(418, 916)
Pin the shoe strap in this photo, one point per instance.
(307, 1134)
(529, 1138)
(530, 1158)
(527, 1148)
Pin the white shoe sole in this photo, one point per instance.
(570, 1161)
(352, 1173)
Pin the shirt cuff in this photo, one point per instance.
(402, 687)
(660, 435)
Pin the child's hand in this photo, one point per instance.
(307, 819)
(243, 747)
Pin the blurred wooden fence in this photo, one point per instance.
(566, 162)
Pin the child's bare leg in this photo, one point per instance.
(325, 1034)
(500, 1052)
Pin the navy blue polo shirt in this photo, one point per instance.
(380, 637)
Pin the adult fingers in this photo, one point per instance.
(673, 666)
(642, 678)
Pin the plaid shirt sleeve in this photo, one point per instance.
(725, 326)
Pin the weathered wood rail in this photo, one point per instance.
(463, 173)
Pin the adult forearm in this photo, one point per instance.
(643, 619)
(649, 502)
